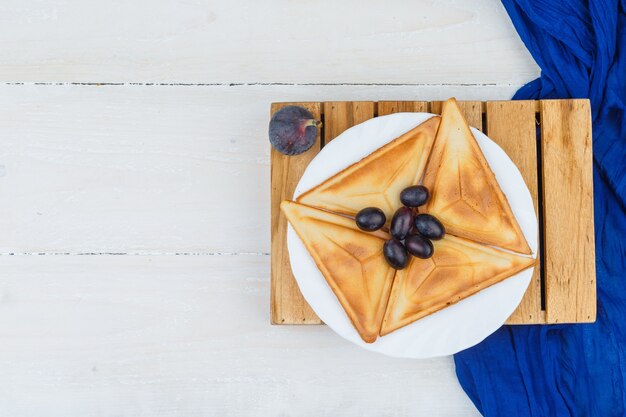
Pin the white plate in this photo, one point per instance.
(447, 331)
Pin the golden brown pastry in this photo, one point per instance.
(377, 179)
(465, 195)
(457, 269)
(350, 260)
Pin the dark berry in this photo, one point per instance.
(401, 223)
(414, 196)
(428, 226)
(419, 246)
(395, 254)
(370, 219)
(292, 130)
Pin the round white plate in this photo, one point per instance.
(447, 331)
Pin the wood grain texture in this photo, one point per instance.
(342, 115)
(171, 336)
(389, 107)
(511, 124)
(568, 211)
(287, 304)
(151, 169)
(472, 111)
(274, 41)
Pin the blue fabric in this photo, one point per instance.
(570, 370)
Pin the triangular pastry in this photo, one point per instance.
(457, 269)
(465, 195)
(351, 261)
(377, 179)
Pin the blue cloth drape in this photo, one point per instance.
(570, 370)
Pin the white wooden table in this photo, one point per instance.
(134, 180)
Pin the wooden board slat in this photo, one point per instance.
(459, 45)
(338, 116)
(342, 115)
(511, 124)
(123, 140)
(185, 334)
(287, 303)
(568, 211)
(389, 107)
(472, 110)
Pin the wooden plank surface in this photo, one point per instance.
(389, 107)
(178, 175)
(174, 336)
(239, 41)
(342, 115)
(140, 169)
(287, 304)
(511, 124)
(137, 170)
(568, 211)
(472, 111)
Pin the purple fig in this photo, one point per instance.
(293, 130)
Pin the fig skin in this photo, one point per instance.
(293, 130)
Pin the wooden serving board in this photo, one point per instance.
(548, 140)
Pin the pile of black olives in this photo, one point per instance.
(411, 233)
